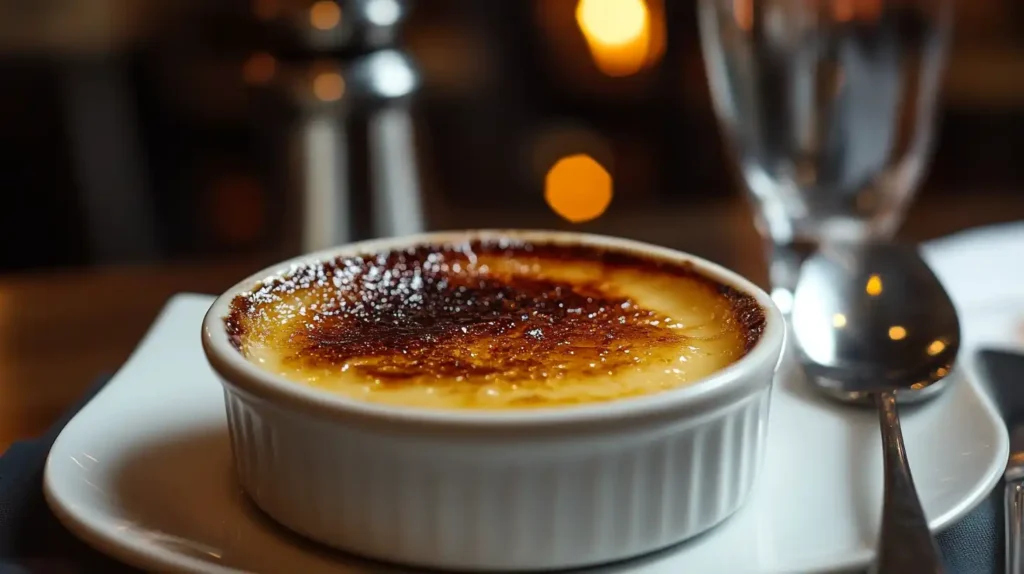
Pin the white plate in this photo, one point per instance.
(143, 473)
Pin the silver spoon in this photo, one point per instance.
(873, 321)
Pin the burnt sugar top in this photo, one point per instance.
(498, 315)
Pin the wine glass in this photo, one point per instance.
(828, 107)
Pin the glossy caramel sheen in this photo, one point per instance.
(494, 325)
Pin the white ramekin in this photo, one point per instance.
(515, 490)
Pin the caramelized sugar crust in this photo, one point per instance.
(474, 322)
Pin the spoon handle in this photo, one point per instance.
(905, 544)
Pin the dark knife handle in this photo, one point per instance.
(1014, 501)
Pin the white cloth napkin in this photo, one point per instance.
(983, 270)
(980, 265)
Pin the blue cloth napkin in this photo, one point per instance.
(33, 541)
(31, 538)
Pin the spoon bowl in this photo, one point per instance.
(873, 318)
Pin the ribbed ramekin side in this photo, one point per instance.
(498, 505)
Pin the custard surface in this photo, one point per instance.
(493, 325)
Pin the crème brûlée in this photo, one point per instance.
(494, 324)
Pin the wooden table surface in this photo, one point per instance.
(60, 330)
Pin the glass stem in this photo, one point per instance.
(785, 260)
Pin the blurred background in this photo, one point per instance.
(157, 146)
(150, 131)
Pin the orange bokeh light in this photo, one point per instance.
(578, 188)
(325, 14)
(618, 34)
(328, 86)
(259, 69)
